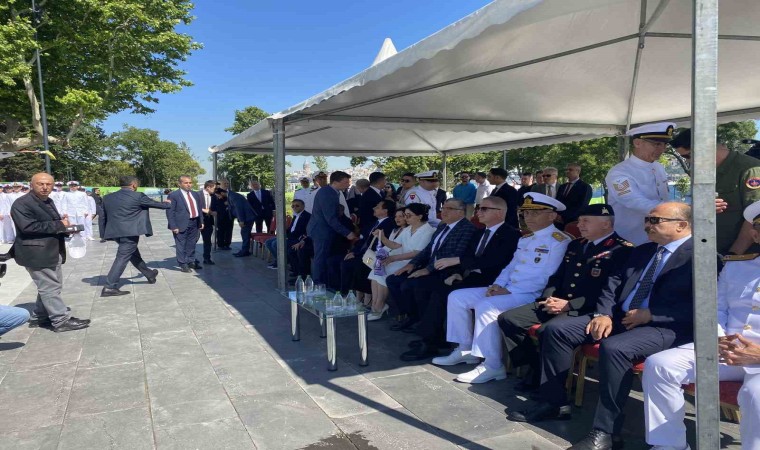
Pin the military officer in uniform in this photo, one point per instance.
(639, 183)
(425, 193)
(737, 183)
(537, 256)
(572, 290)
(739, 352)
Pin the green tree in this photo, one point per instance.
(99, 57)
(732, 133)
(320, 162)
(357, 161)
(106, 173)
(21, 167)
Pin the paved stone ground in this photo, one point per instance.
(205, 361)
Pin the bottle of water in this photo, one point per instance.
(299, 288)
(309, 284)
(336, 304)
(351, 301)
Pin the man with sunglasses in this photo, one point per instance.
(737, 185)
(405, 185)
(639, 183)
(426, 193)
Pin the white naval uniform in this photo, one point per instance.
(302, 194)
(9, 228)
(75, 204)
(635, 187)
(419, 195)
(88, 220)
(58, 197)
(309, 202)
(537, 257)
(5, 213)
(665, 372)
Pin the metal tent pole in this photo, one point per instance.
(278, 132)
(704, 120)
(445, 180)
(214, 165)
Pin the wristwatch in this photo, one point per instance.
(600, 315)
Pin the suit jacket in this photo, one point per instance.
(324, 215)
(263, 208)
(509, 194)
(521, 192)
(39, 232)
(580, 279)
(367, 203)
(299, 231)
(455, 243)
(240, 208)
(126, 213)
(178, 213)
(544, 188)
(575, 200)
(208, 218)
(361, 246)
(440, 198)
(497, 254)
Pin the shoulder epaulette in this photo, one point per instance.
(560, 236)
(624, 242)
(527, 235)
(747, 257)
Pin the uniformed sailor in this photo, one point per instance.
(537, 257)
(425, 192)
(57, 196)
(639, 183)
(320, 180)
(91, 210)
(6, 225)
(739, 354)
(75, 204)
(573, 289)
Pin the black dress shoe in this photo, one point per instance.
(185, 268)
(152, 277)
(240, 255)
(40, 323)
(77, 320)
(416, 343)
(102, 241)
(595, 440)
(111, 292)
(404, 324)
(424, 351)
(197, 266)
(208, 262)
(543, 411)
(71, 325)
(527, 385)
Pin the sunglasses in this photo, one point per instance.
(406, 181)
(488, 208)
(657, 220)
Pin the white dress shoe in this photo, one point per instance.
(482, 374)
(372, 316)
(456, 357)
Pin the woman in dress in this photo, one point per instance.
(411, 240)
(389, 192)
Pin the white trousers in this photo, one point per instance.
(485, 339)
(88, 227)
(9, 229)
(665, 372)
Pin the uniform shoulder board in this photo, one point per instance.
(527, 235)
(560, 236)
(622, 241)
(747, 257)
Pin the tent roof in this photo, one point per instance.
(520, 73)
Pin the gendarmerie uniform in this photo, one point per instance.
(579, 280)
(419, 195)
(635, 186)
(665, 372)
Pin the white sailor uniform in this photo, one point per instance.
(75, 204)
(88, 220)
(419, 195)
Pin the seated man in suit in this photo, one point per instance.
(573, 289)
(185, 220)
(537, 257)
(451, 239)
(575, 195)
(489, 251)
(295, 233)
(262, 203)
(646, 307)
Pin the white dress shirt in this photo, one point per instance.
(189, 198)
(669, 250)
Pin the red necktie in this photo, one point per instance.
(192, 206)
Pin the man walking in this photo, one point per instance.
(185, 222)
(126, 217)
(40, 247)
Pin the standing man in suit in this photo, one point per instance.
(99, 212)
(646, 307)
(241, 210)
(369, 200)
(185, 221)
(548, 185)
(324, 226)
(262, 202)
(220, 208)
(526, 184)
(207, 232)
(40, 248)
(575, 194)
(126, 217)
(498, 177)
(295, 233)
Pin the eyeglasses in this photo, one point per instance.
(488, 208)
(534, 212)
(452, 209)
(657, 220)
(656, 143)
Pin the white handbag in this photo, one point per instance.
(370, 256)
(76, 247)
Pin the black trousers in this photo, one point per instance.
(262, 219)
(400, 298)
(185, 241)
(126, 253)
(207, 233)
(616, 355)
(224, 230)
(300, 260)
(514, 324)
(353, 275)
(101, 224)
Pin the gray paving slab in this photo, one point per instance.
(192, 412)
(36, 438)
(225, 337)
(177, 378)
(126, 429)
(251, 374)
(222, 434)
(521, 439)
(111, 346)
(111, 388)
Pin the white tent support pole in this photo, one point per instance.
(444, 171)
(278, 131)
(704, 113)
(726, 37)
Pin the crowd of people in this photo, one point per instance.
(479, 269)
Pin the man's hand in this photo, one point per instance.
(86, 214)
(554, 305)
(720, 205)
(297, 246)
(175, 231)
(352, 236)
(205, 211)
(636, 317)
(201, 226)
(378, 233)
(420, 273)
(741, 353)
(446, 262)
(166, 200)
(348, 256)
(599, 327)
(65, 221)
(495, 289)
(406, 269)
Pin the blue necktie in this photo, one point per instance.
(645, 287)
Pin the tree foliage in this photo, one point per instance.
(320, 162)
(99, 57)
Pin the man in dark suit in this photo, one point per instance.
(324, 226)
(262, 202)
(207, 232)
(40, 248)
(498, 177)
(573, 289)
(241, 210)
(526, 183)
(369, 200)
(488, 252)
(646, 307)
(126, 218)
(451, 239)
(294, 234)
(575, 194)
(354, 196)
(220, 209)
(185, 221)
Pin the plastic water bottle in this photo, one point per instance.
(309, 284)
(299, 288)
(350, 301)
(336, 304)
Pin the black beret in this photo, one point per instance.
(599, 209)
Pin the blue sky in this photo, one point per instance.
(275, 54)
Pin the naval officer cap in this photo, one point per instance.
(752, 213)
(430, 175)
(597, 210)
(73, 183)
(59, 183)
(660, 131)
(534, 201)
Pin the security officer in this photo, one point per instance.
(425, 192)
(639, 183)
(739, 347)
(572, 290)
(737, 183)
(537, 256)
